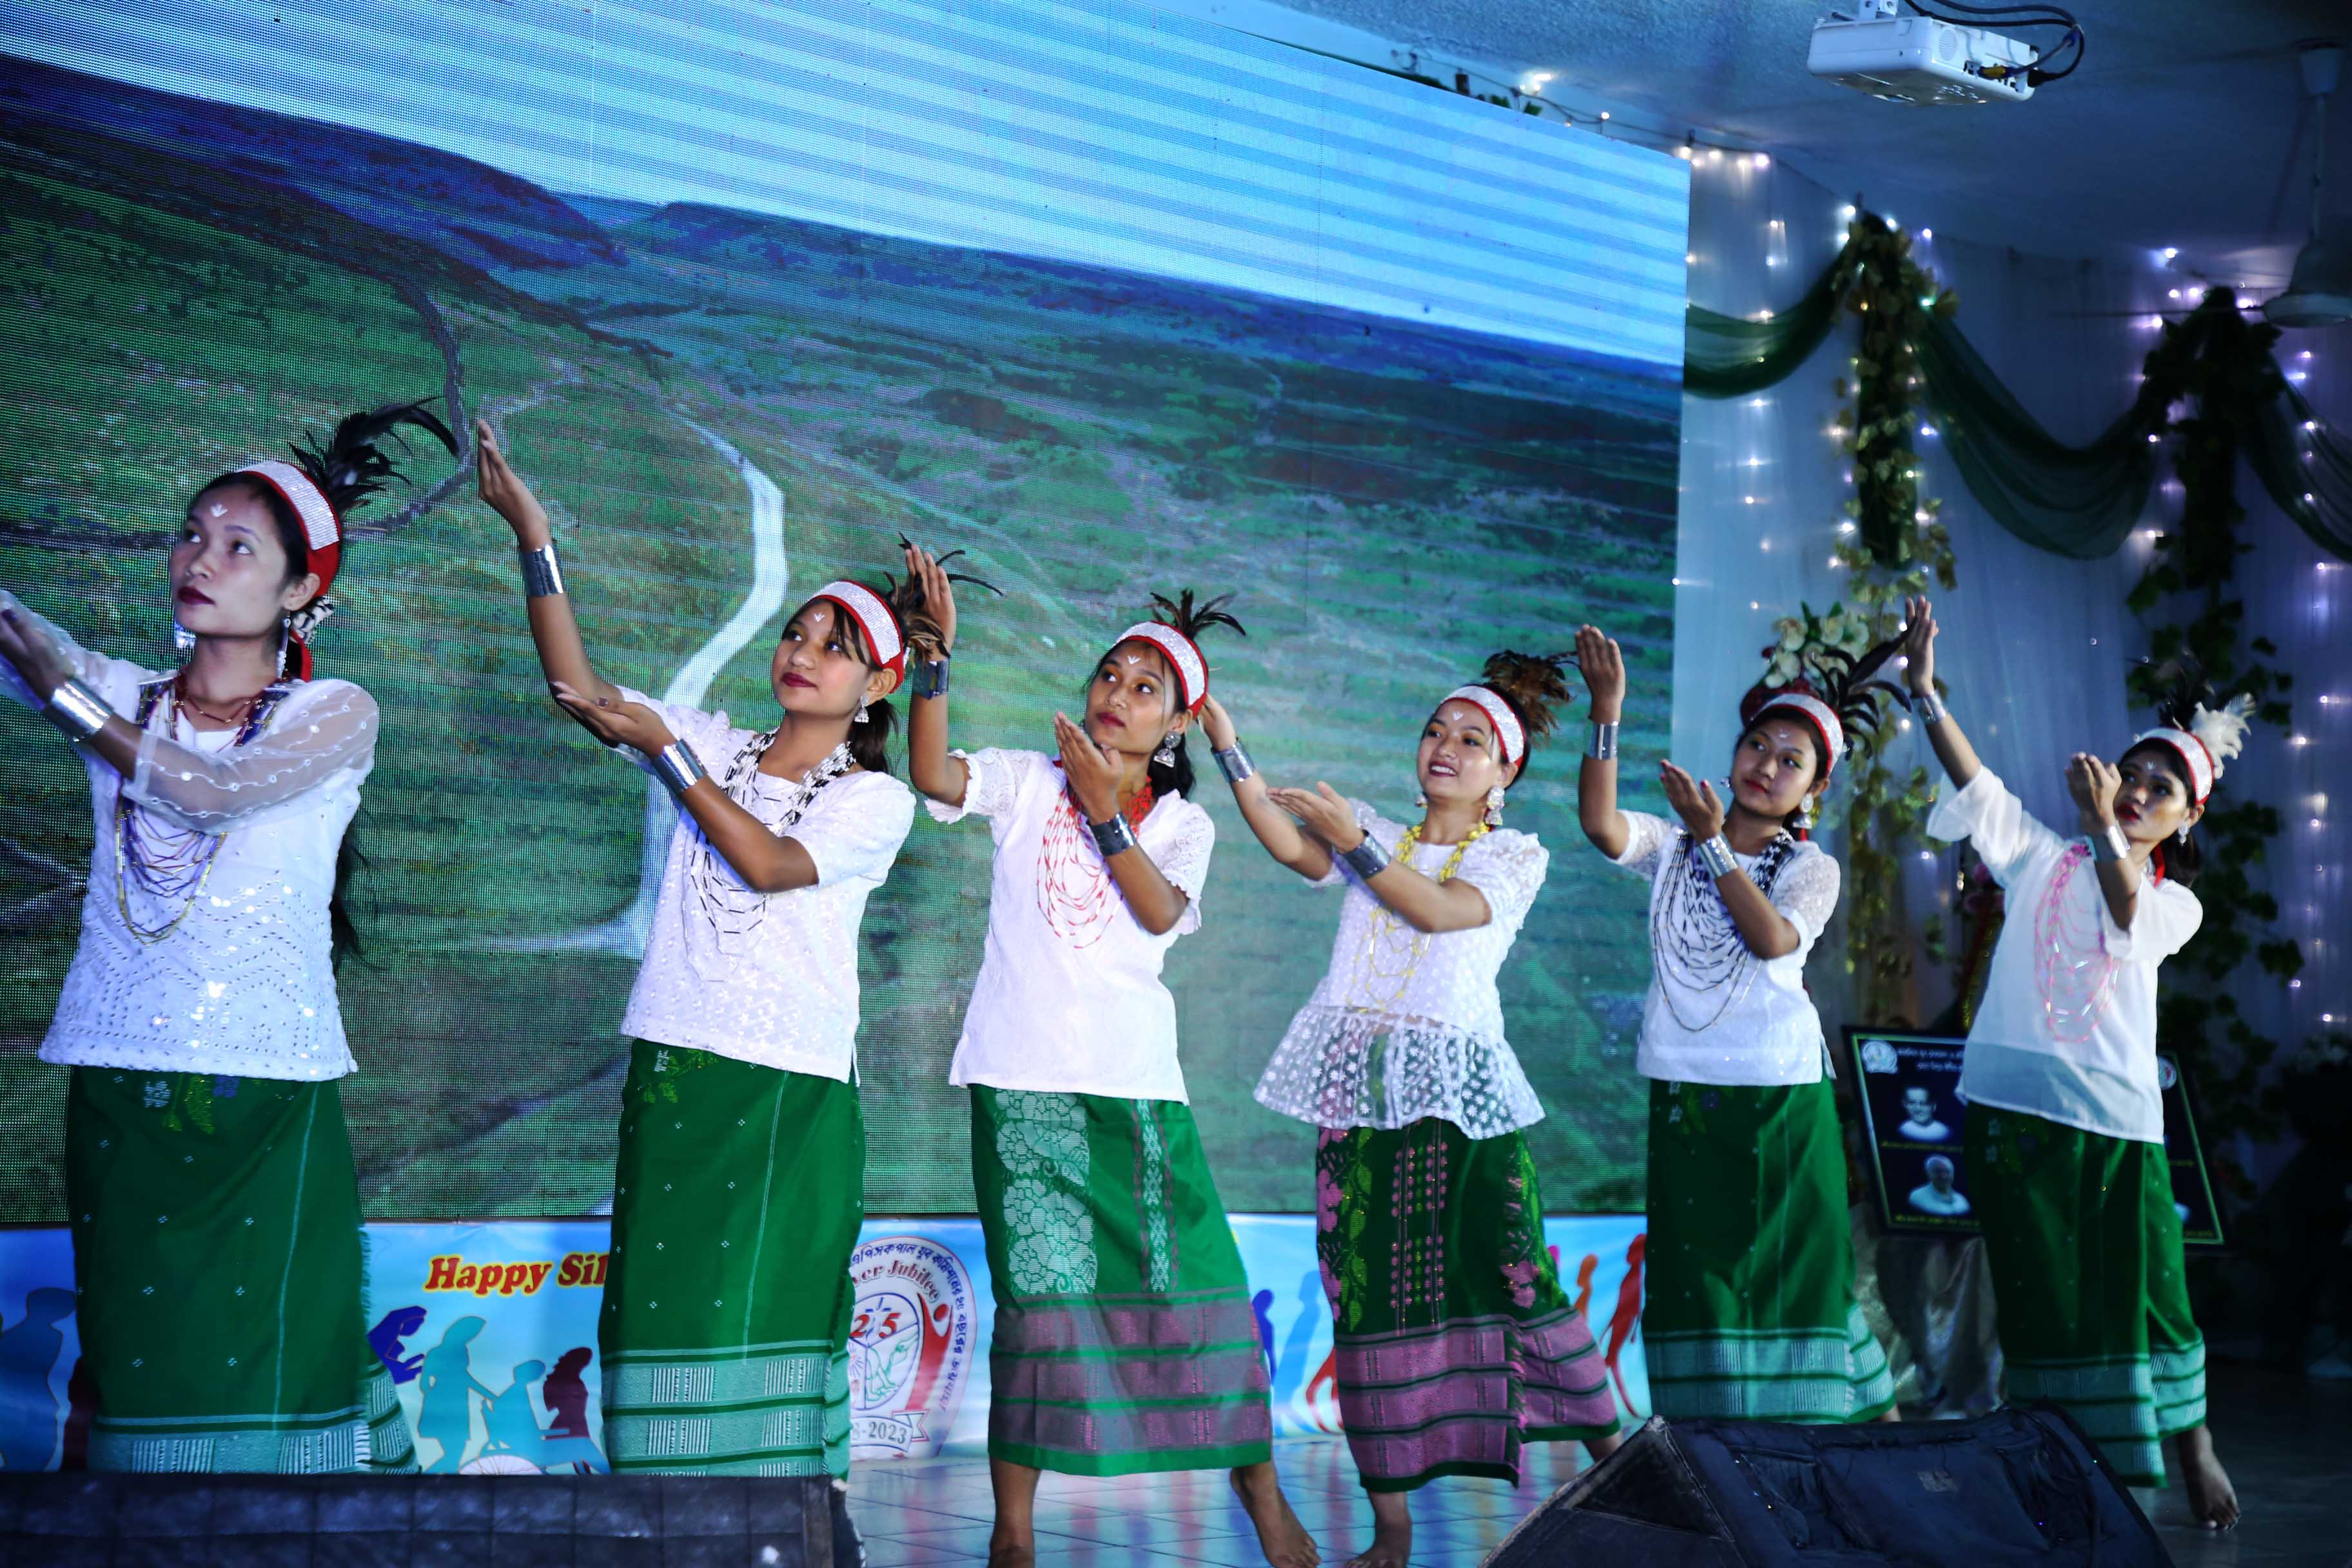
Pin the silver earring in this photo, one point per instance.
(285, 644)
(182, 640)
(1420, 800)
(1805, 817)
(1494, 806)
(1165, 757)
(2184, 833)
(862, 707)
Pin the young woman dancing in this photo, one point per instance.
(1751, 1312)
(1124, 1340)
(2063, 1141)
(1457, 1345)
(208, 1171)
(740, 1184)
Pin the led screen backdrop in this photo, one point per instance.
(1121, 302)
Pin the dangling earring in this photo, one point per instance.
(1805, 815)
(2184, 833)
(183, 641)
(1420, 800)
(863, 705)
(1494, 806)
(285, 643)
(1165, 757)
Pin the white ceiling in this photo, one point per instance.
(2186, 126)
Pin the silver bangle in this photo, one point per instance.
(676, 766)
(2111, 845)
(77, 711)
(542, 574)
(930, 677)
(1367, 859)
(1113, 837)
(1715, 854)
(1604, 741)
(1235, 762)
(1929, 707)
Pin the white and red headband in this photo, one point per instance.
(1510, 735)
(1816, 712)
(322, 530)
(2194, 757)
(884, 634)
(1183, 656)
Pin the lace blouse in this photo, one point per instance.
(243, 985)
(1408, 1024)
(1754, 1025)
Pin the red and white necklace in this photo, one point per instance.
(1074, 890)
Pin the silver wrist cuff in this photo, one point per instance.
(1603, 748)
(678, 767)
(1929, 707)
(1715, 854)
(2111, 845)
(542, 574)
(1235, 762)
(1114, 837)
(929, 679)
(77, 711)
(1367, 859)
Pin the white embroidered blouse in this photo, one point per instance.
(243, 985)
(1406, 1024)
(1755, 1025)
(1069, 997)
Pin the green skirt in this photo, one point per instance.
(736, 1203)
(1125, 1341)
(1455, 1346)
(220, 1265)
(2088, 1276)
(1751, 1312)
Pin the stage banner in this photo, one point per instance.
(489, 1334)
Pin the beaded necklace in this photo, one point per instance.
(165, 862)
(734, 911)
(1074, 890)
(1369, 969)
(1694, 943)
(2077, 977)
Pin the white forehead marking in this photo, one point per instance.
(218, 509)
(1135, 658)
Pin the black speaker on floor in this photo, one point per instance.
(2015, 1486)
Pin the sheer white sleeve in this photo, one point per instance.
(323, 729)
(1184, 861)
(115, 679)
(1508, 869)
(1806, 892)
(1650, 837)
(1995, 821)
(992, 783)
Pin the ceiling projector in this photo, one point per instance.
(1918, 60)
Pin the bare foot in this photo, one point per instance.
(1391, 1545)
(1005, 1553)
(2211, 1500)
(1280, 1536)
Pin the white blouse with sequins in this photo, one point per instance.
(2067, 1027)
(1069, 998)
(242, 985)
(770, 979)
(1758, 1027)
(1405, 1024)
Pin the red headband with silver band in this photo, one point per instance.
(322, 530)
(1183, 655)
(2194, 756)
(1820, 714)
(1510, 735)
(875, 618)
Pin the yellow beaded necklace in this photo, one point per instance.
(1369, 970)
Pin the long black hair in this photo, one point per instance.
(350, 467)
(1189, 618)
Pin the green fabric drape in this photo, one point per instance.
(2075, 501)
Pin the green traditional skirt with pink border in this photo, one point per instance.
(1456, 1346)
(1124, 1339)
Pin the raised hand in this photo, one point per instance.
(1694, 799)
(1919, 644)
(506, 493)
(1603, 665)
(1094, 772)
(1217, 725)
(2094, 781)
(1323, 812)
(938, 594)
(613, 721)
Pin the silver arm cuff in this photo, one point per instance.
(542, 574)
(1114, 837)
(1603, 748)
(77, 711)
(1715, 854)
(1235, 762)
(1929, 707)
(2111, 845)
(1367, 859)
(930, 678)
(678, 767)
